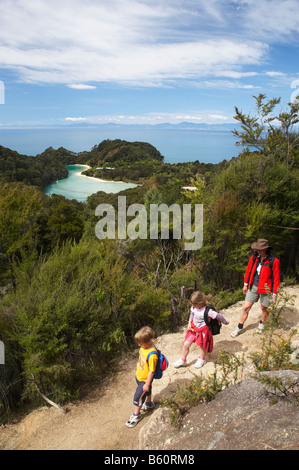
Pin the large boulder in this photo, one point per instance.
(246, 416)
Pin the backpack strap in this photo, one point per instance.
(150, 353)
(271, 261)
(254, 256)
(206, 317)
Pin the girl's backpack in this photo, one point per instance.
(214, 324)
(162, 363)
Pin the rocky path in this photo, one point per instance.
(98, 423)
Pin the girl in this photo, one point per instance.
(198, 332)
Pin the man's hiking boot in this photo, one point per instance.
(260, 328)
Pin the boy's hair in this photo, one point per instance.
(200, 299)
(144, 335)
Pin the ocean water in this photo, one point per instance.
(79, 187)
(175, 144)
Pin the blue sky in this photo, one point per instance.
(143, 61)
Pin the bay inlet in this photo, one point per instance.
(78, 186)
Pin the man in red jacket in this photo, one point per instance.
(262, 277)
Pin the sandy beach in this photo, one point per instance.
(190, 188)
(96, 179)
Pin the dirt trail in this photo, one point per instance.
(98, 423)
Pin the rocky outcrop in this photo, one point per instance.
(246, 416)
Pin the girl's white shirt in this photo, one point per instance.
(197, 316)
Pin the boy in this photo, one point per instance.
(144, 374)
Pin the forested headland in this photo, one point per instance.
(71, 303)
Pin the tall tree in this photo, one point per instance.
(269, 133)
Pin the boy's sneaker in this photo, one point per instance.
(147, 406)
(236, 332)
(260, 328)
(179, 363)
(133, 420)
(199, 363)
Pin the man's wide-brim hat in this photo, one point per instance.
(261, 244)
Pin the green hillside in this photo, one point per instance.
(71, 303)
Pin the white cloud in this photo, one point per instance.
(274, 74)
(139, 63)
(154, 118)
(143, 42)
(129, 42)
(82, 86)
(226, 84)
(236, 74)
(76, 119)
(272, 20)
(219, 117)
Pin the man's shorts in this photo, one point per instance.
(139, 398)
(252, 297)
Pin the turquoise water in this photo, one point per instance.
(79, 187)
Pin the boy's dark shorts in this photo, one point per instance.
(139, 399)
